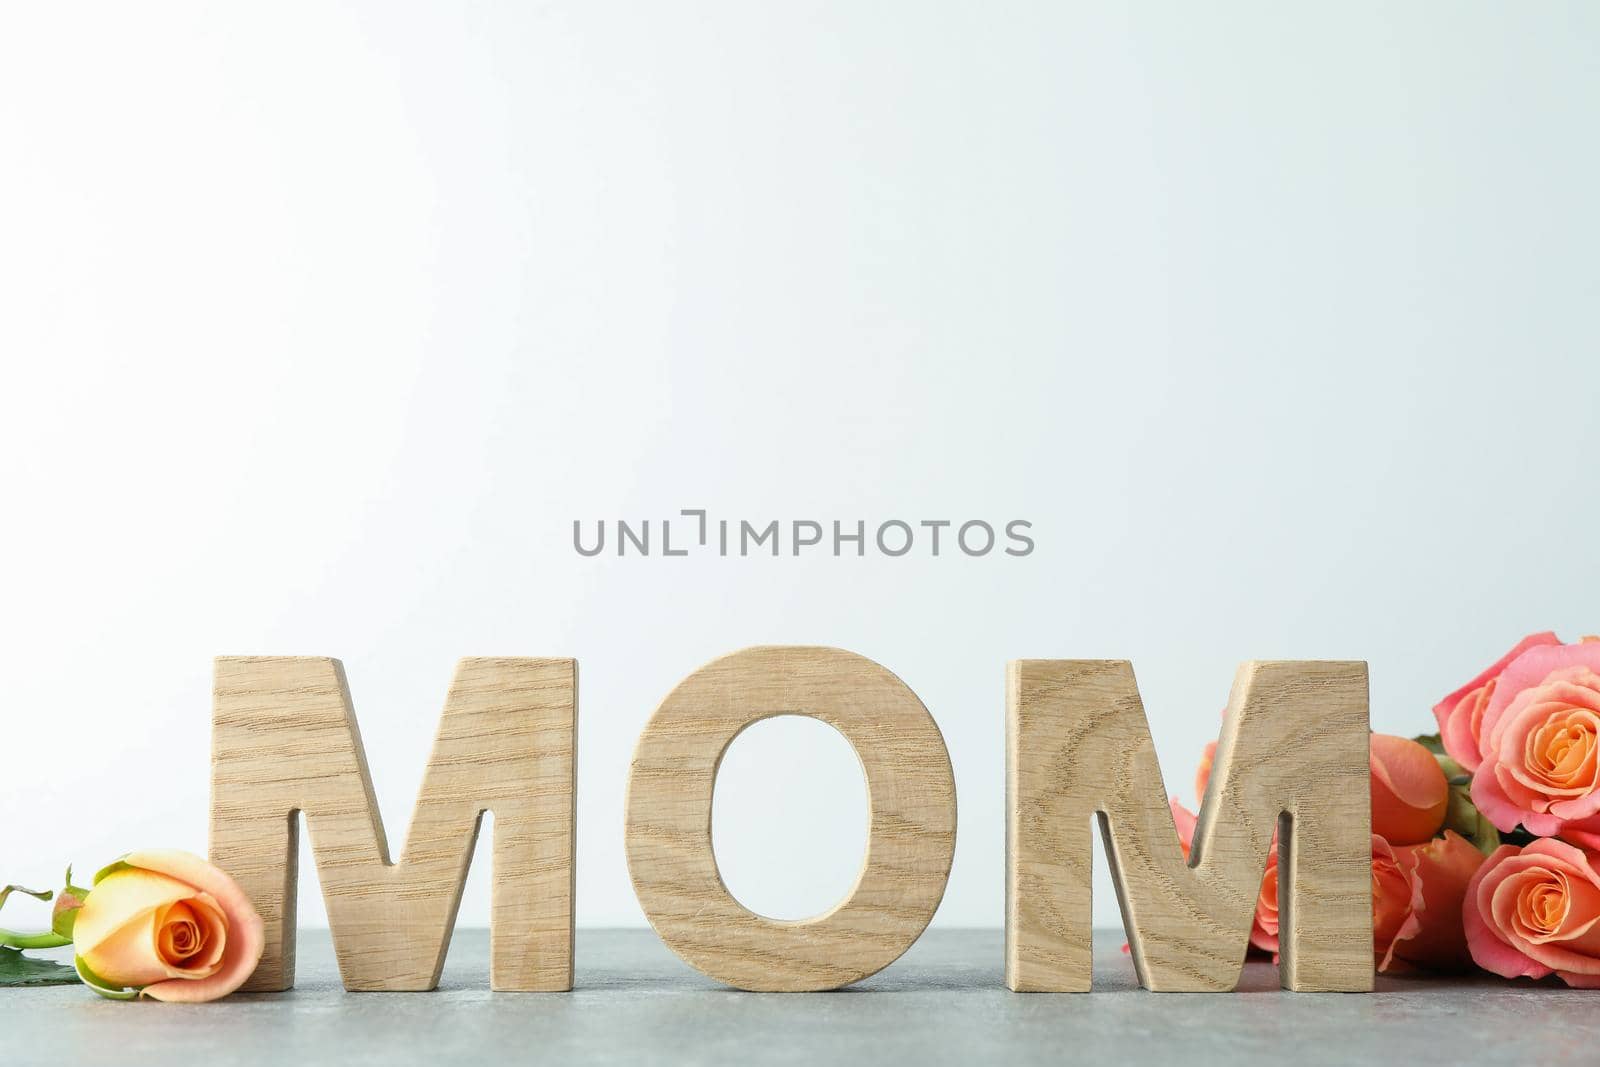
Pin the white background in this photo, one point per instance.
(321, 322)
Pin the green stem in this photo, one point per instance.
(12, 939)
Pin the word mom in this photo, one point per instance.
(1292, 760)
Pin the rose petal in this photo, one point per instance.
(1584, 834)
(128, 957)
(118, 899)
(204, 911)
(1580, 981)
(1489, 796)
(1202, 774)
(1185, 821)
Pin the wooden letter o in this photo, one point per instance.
(910, 840)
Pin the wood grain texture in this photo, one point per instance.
(284, 741)
(910, 840)
(1294, 743)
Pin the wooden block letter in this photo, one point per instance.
(1292, 757)
(284, 741)
(910, 840)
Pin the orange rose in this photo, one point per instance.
(1409, 791)
(1394, 898)
(1439, 871)
(1264, 927)
(1416, 899)
(1416, 903)
(1534, 911)
(168, 925)
(1417, 881)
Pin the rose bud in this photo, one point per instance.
(1540, 744)
(64, 914)
(167, 925)
(1409, 792)
(1532, 911)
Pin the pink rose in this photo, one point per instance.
(1460, 714)
(1539, 735)
(1535, 911)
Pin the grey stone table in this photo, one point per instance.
(943, 1002)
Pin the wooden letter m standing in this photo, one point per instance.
(1292, 761)
(284, 741)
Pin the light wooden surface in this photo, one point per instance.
(1294, 741)
(285, 740)
(910, 841)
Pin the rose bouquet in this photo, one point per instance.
(1526, 730)
(162, 924)
(1486, 835)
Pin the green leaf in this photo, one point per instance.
(1431, 742)
(17, 969)
(1454, 773)
(37, 894)
(1464, 818)
(1462, 815)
